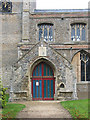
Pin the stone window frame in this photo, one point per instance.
(84, 57)
(79, 23)
(76, 62)
(47, 23)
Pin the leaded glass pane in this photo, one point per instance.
(82, 71)
(80, 56)
(78, 32)
(88, 70)
(83, 57)
(73, 32)
(40, 32)
(87, 58)
(50, 33)
(83, 32)
(45, 32)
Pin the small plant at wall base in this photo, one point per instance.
(3, 100)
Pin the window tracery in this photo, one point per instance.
(85, 66)
(78, 32)
(46, 30)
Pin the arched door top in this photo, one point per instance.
(43, 69)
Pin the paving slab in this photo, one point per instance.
(43, 109)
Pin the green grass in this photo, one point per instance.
(11, 110)
(77, 108)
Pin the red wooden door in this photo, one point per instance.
(43, 83)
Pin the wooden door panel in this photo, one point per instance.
(48, 89)
(43, 83)
(37, 89)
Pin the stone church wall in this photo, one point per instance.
(22, 75)
(11, 36)
(61, 31)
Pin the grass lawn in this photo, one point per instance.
(78, 108)
(11, 110)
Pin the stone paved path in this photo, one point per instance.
(43, 109)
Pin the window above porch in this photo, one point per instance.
(46, 31)
(78, 32)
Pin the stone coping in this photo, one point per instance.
(83, 82)
(18, 92)
(65, 91)
(60, 10)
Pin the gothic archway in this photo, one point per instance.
(81, 63)
(43, 82)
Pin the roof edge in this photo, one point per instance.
(60, 10)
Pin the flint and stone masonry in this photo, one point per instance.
(22, 52)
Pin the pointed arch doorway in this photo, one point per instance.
(43, 82)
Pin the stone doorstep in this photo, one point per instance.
(20, 99)
(64, 98)
(18, 92)
(61, 98)
(26, 99)
(65, 91)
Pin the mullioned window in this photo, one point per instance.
(85, 67)
(46, 31)
(78, 32)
